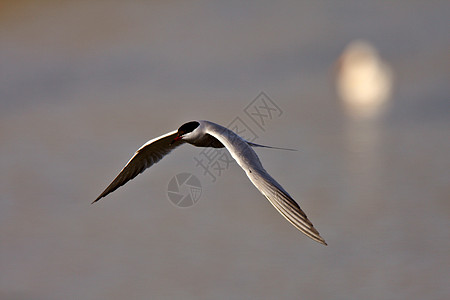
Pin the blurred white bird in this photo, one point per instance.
(364, 81)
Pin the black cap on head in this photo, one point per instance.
(188, 127)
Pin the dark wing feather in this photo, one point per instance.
(284, 203)
(149, 154)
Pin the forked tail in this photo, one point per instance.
(264, 146)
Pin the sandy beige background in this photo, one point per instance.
(84, 83)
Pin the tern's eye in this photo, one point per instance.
(188, 127)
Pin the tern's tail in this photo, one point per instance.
(264, 146)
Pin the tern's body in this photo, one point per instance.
(208, 134)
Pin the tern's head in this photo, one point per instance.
(188, 131)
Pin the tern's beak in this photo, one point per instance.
(178, 137)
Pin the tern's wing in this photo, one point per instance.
(272, 190)
(283, 202)
(149, 154)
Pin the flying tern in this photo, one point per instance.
(209, 134)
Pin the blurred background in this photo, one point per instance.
(83, 84)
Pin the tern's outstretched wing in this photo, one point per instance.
(272, 190)
(150, 153)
